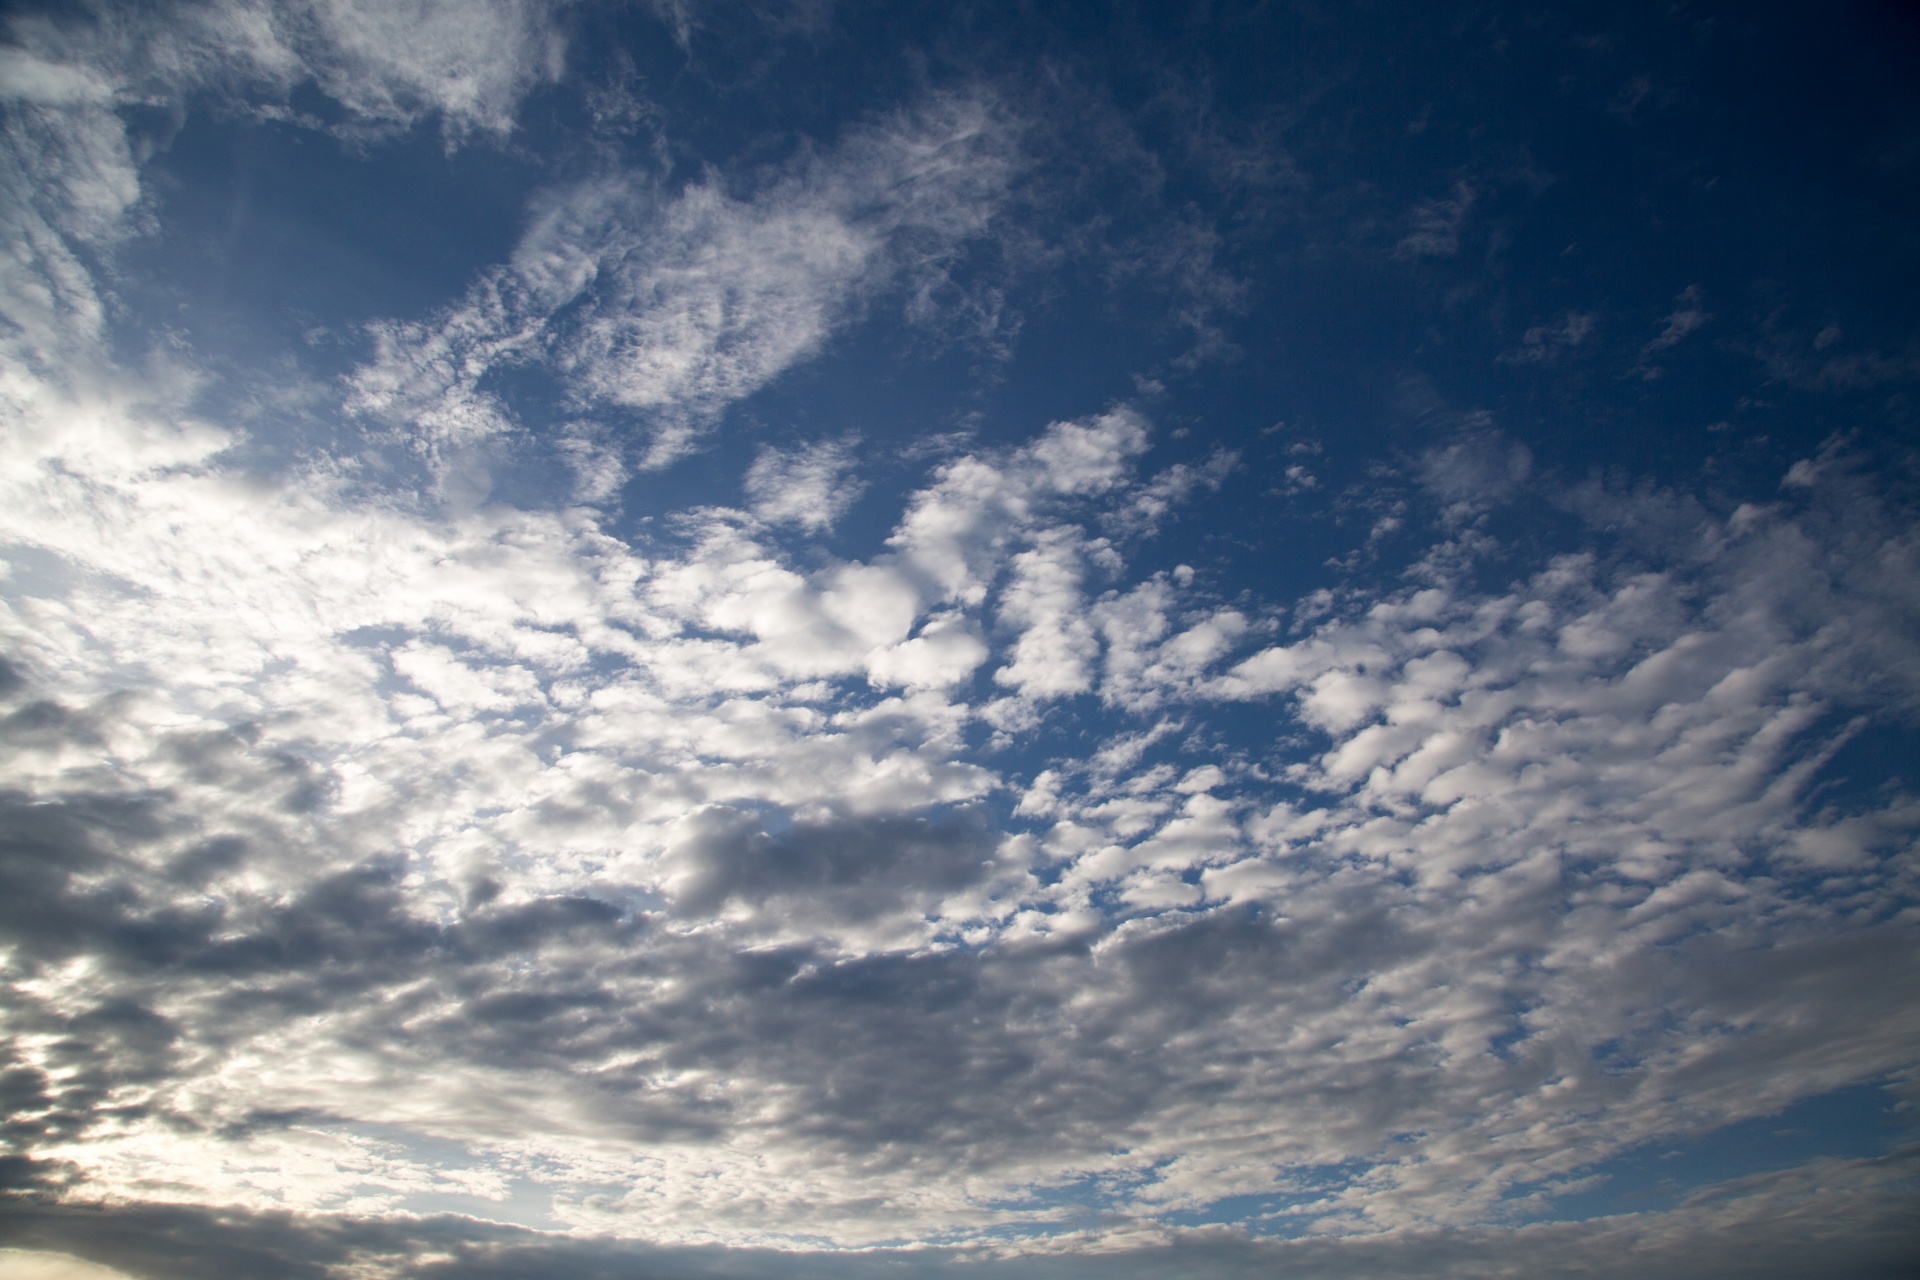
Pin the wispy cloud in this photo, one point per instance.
(1545, 343)
(809, 487)
(388, 66)
(1687, 316)
(1435, 225)
(73, 184)
(671, 307)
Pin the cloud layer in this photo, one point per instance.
(983, 884)
(684, 880)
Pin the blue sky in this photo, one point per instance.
(730, 638)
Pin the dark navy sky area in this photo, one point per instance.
(1365, 228)
(720, 638)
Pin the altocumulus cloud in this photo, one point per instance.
(903, 851)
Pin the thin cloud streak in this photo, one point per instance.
(673, 306)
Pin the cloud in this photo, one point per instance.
(1687, 316)
(387, 66)
(672, 306)
(679, 875)
(469, 64)
(1827, 361)
(368, 859)
(72, 169)
(1477, 469)
(1845, 1215)
(1543, 344)
(1436, 225)
(808, 487)
(1170, 490)
(1043, 602)
(291, 794)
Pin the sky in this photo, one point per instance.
(724, 638)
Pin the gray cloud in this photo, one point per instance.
(674, 945)
(1844, 1217)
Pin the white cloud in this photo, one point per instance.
(1170, 489)
(1537, 823)
(470, 63)
(388, 65)
(70, 174)
(670, 877)
(1043, 603)
(1476, 470)
(674, 306)
(808, 486)
(511, 698)
(946, 650)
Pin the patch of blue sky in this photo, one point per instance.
(1856, 1123)
(1285, 1212)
